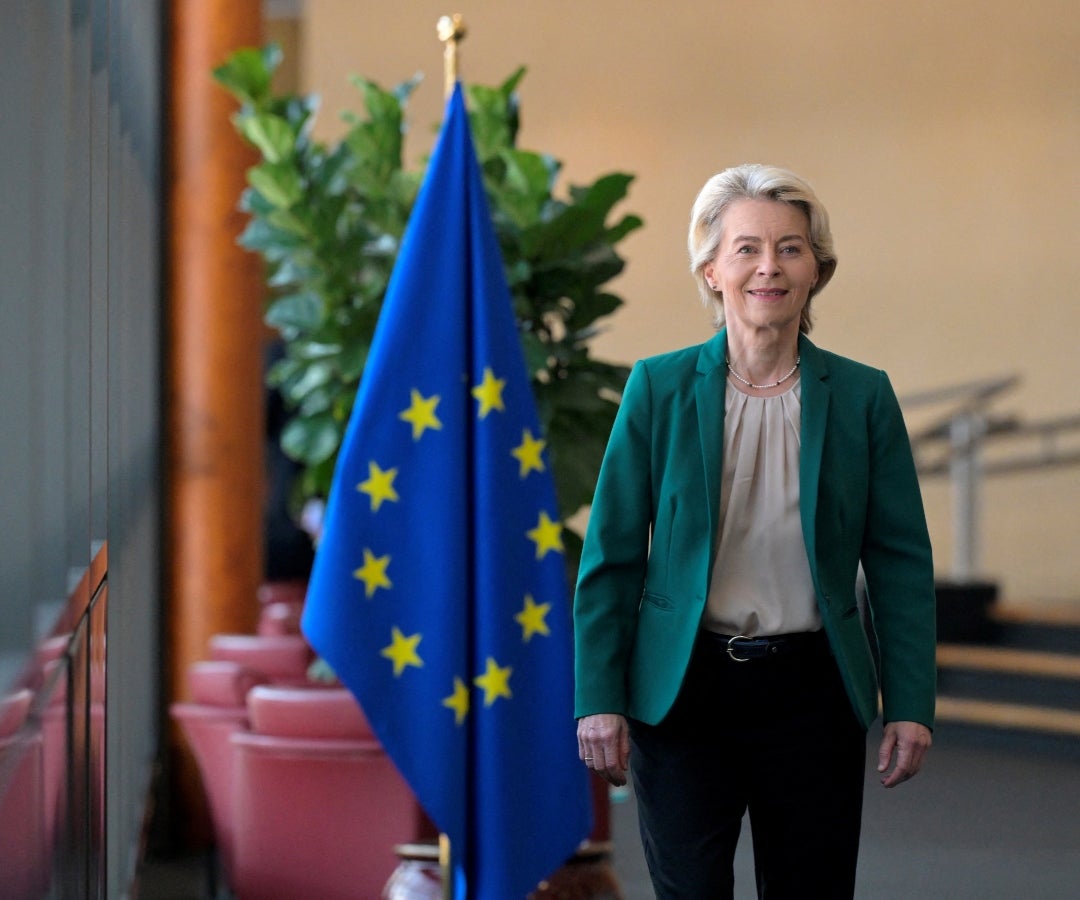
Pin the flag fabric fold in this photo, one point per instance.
(439, 591)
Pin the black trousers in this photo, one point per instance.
(776, 737)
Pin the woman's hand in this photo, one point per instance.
(905, 743)
(604, 745)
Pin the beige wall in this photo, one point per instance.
(943, 136)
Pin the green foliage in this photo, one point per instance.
(328, 221)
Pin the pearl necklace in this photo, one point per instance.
(764, 387)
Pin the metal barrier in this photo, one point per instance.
(969, 442)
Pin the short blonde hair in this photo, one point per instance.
(755, 182)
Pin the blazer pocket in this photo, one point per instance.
(657, 600)
(663, 538)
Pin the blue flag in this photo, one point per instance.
(439, 590)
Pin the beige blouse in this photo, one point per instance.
(760, 582)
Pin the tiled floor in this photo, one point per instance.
(984, 821)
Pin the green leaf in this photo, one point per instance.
(273, 243)
(509, 87)
(312, 440)
(570, 229)
(626, 225)
(314, 350)
(318, 401)
(578, 395)
(251, 201)
(376, 143)
(590, 306)
(382, 104)
(536, 352)
(290, 272)
(247, 73)
(316, 478)
(313, 377)
(328, 171)
(577, 442)
(281, 372)
(278, 183)
(300, 312)
(571, 274)
(602, 194)
(289, 221)
(493, 116)
(272, 135)
(525, 185)
(353, 359)
(299, 112)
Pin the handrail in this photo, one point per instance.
(968, 397)
(1047, 453)
(961, 437)
(978, 391)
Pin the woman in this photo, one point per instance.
(721, 656)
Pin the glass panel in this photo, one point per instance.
(24, 851)
(79, 364)
(71, 857)
(96, 744)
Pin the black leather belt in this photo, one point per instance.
(744, 649)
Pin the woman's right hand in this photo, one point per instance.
(604, 745)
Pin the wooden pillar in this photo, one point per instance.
(214, 358)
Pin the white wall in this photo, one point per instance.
(943, 137)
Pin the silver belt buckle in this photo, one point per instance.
(732, 648)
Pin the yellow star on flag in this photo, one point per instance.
(528, 454)
(373, 572)
(495, 681)
(531, 618)
(547, 535)
(379, 485)
(402, 651)
(458, 701)
(421, 413)
(489, 393)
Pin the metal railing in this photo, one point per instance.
(969, 442)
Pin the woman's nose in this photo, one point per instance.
(768, 263)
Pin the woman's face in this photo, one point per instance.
(764, 266)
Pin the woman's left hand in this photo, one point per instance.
(905, 744)
(604, 746)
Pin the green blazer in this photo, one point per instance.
(651, 538)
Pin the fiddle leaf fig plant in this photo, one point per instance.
(327, 219)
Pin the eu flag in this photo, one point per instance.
(439, 592)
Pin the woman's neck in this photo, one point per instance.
(763, 359)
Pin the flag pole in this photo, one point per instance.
(446, 870)
(451, 31)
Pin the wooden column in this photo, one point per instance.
(214, 465)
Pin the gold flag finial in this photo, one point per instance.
(451, 30)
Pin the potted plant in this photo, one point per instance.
(328, 220)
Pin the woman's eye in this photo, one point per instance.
(791, 250)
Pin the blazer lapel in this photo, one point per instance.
(711, 400)
(815, 410)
